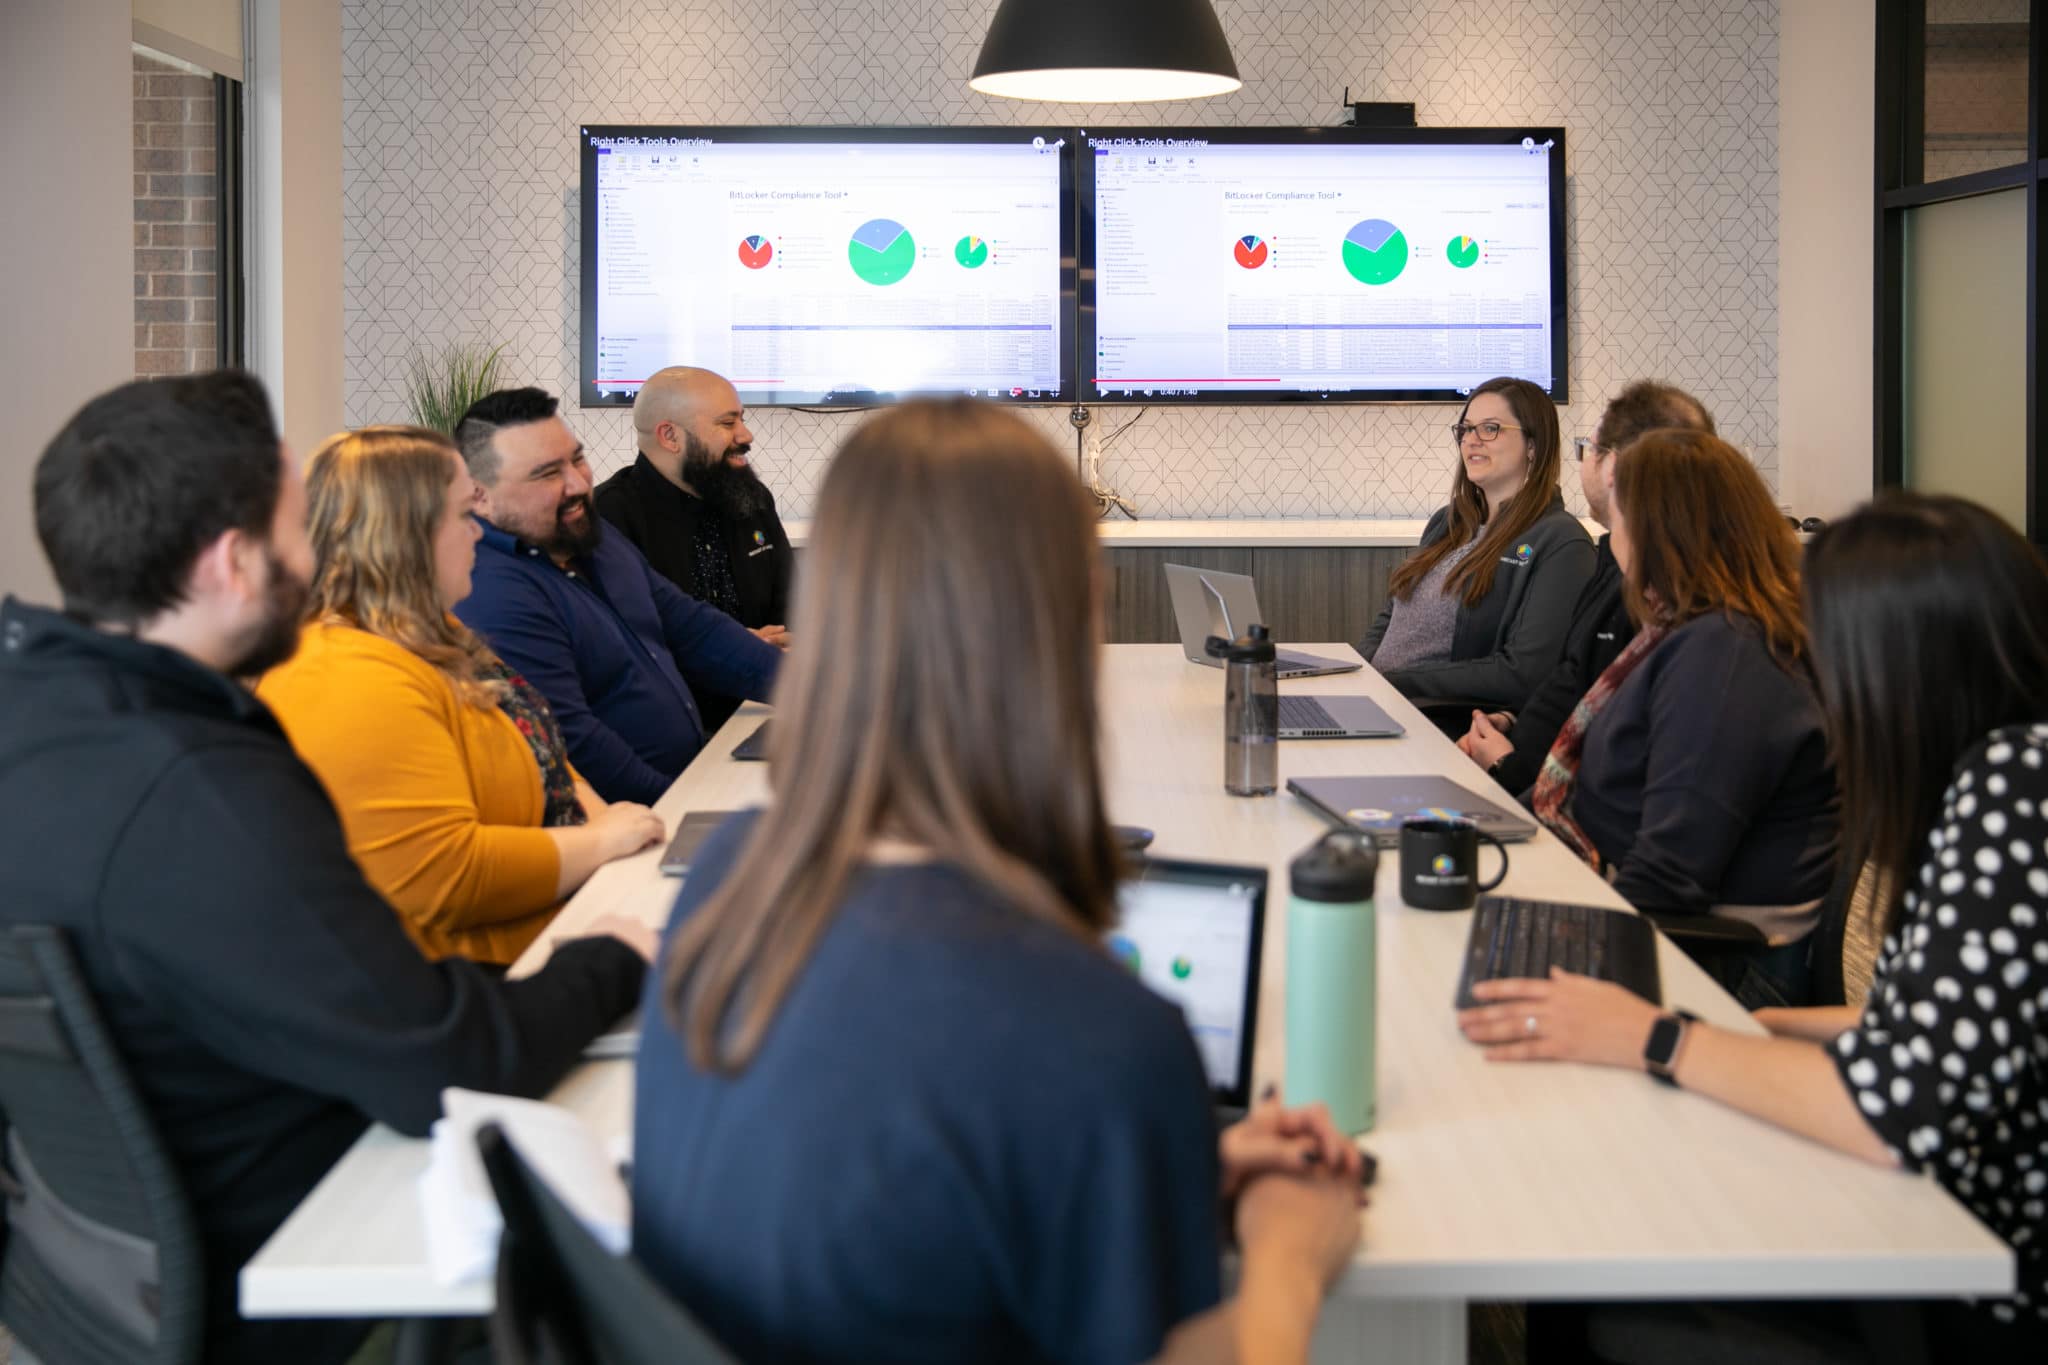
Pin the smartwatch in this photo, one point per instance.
(1660, 1054)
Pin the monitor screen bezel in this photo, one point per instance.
(1085, 241)
(588, 393)
(1188, 871)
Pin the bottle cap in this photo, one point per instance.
(1255, 646)
(1339, 867)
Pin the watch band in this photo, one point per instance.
(1660, 1053)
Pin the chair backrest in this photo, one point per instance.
(103, 1260)
(563, 1299)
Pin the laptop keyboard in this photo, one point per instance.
(1521, 938)
(1309, 716)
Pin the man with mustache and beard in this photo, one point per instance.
(267, 1002)
(694, 505)
(620, 653)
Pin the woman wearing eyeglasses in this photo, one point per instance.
(1478, 615)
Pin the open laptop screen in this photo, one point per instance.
(1192, 932)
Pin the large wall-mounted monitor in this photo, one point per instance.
(830, 266)
(1250, 265)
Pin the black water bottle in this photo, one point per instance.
(1251, 712)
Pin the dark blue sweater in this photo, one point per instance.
(1706, 779)
(968, 1136)
(615, 648)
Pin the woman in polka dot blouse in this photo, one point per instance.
(1929, 621)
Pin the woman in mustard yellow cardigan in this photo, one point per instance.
(447, 768)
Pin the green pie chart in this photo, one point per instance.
(1463, 252)
(971, 252)
(881, 251)
(1375, 252)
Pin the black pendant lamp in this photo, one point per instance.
(1105, 52)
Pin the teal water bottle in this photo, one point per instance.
(1332, 982)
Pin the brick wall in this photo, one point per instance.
(174, 218)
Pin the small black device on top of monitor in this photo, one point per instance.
(1255, 265)
(838, 266)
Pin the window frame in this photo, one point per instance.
(1900, 189)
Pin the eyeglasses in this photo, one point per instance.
(1486, 431)
(1582, 446)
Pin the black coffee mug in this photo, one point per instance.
(1440, 864)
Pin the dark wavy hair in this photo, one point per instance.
(1930, 630)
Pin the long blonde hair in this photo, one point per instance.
(374, 502)
(941, 690)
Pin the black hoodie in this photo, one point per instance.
(265, 999)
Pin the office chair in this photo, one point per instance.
(1840, 952)
(565, 1300)
(103, 1262)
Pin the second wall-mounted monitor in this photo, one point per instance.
(829, 265)
(1247, 265)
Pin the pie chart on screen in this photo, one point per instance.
(756, 251)
(1375, 252)
(1250, 252)
(881, 251)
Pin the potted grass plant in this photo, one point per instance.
(440, 385)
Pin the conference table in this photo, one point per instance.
(1496, 1182)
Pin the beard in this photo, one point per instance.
(574, 542)
(736, 491)
(276, 638)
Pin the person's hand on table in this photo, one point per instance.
(774, 635)
(626, 930)
(1486, 743)
(1273, 1138)
(625, 827)
(1309, 1222)
(1565, 1018)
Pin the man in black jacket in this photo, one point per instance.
(265, 999)
(1511, 747)
(692, 503)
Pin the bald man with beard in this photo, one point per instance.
(692, 503)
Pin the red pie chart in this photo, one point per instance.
(1250, 252)
(756, 251)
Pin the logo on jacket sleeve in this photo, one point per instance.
(1522, 555)
(760, 539)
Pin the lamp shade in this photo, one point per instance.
(1105, 51)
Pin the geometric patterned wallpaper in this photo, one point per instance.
(460, 180)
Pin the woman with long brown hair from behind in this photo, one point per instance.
(1479, 613)
(895, 1101)
(446, 767)
(1695, 774)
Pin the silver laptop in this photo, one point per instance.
(1336, 718)
(1379, 805)
(1210, 602)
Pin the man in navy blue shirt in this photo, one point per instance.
(614, 647)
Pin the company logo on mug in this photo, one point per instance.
(1440, 863)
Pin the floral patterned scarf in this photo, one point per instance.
(1552, 797)
(529, 712)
